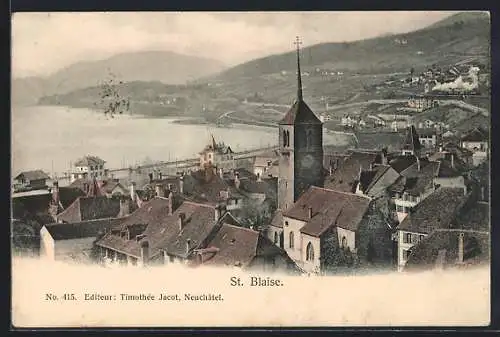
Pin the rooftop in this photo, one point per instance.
(90, 208)
(329, 208)
(89, 161)
(300, 113)
(80, 230)
(32, 175)
(437, 211)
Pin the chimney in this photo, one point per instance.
(259, 179)
(383, 156)
(124, 207)
(310, 212)
(331, 170)
(144, 252)
(452, 160)
(188, 246)
(461, 248)
(132, 191)
(181, 220)
(150, 177)
(159, 190)
(55, 192)
(181, 184)
(170, 203)
(418, 163)
(371, 166)
(218, 212)
(221, 173)
(160, 175)
(237, 181)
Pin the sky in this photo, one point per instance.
(43, 43)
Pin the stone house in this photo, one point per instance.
(324, 225)
(437, 211)
(89, 167)
(477, 141)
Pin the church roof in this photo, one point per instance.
(300, 113)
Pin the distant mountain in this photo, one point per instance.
(162, 66)
(463, 35)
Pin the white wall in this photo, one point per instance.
(350, 237)
(47, 249)
(65, 248)
(293, 226)
(402, 246)
(314, 265)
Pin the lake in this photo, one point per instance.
(50, 138)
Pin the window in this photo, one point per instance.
(407, 238)
(344, 242)
(421, 237)
(275, 238)
(291, 240)
(309, 252)
(400, 209)
(406, 254)
(309, 138)
(286, 223)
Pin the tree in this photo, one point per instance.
(111, 101)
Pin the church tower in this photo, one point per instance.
(300, 147)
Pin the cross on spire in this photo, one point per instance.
(299, 77)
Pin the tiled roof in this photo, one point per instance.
(163, 232)
(277, 220)
(90, 208)
(79, 230)
(476, 135)
(415, 181)
(401, 163)
(436, 211)
(89, 160)
(345, 177)
(370, 178)
(411, 141)
(476, 217)
(378, 140)
(300, 113)
(329, 208)
(32, 175)
(425, 253)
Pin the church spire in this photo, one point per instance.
(299, 77)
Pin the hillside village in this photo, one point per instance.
(418, 203)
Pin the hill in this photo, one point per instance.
(448, 41)
(163, 66)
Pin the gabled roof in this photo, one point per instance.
(425, 253)
(89, 161)
(476, 135)
(436, 211)
(90, 208)
(370, 178)
(162, 231)
(345, 177)
(329, 208)
(32, 175)
(411, 141)
(401, 163)
(300, 113)
(415, 181)
(80, 230)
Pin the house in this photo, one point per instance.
(421, 103)
(109, 188)
(216, 154)
(234, 246)
(428, 138)
(266, 167)
(190, 234)
(414, 185)
(375, 180)
(89, 167)
(72, 241)
(437, 211)
(90, 208)
(325, 226)
(30, 180)
(476, 141)
(344, 174)
(411, 145)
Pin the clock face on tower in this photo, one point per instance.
(308, 161)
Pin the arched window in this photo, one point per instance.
(291, 240)
(284, 138)
(309, 252)
(275, 238)
(344, 242)
(309, 140)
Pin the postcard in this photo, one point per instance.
(250, 169)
